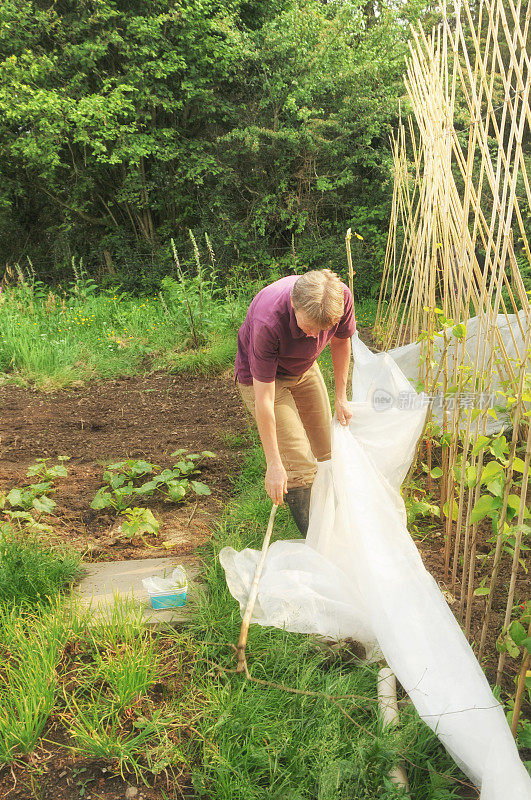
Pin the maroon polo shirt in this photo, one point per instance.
(270, 342)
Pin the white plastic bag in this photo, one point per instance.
(359, 574)
(177, 582)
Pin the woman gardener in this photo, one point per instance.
(288, 324)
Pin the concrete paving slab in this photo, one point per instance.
(104, 582)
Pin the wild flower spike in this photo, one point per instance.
(196, 251)
(176, 257)
(210, 249)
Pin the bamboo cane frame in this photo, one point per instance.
(452, 194)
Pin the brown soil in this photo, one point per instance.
(146, 417)
(51, 775)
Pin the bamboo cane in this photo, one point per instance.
(244, 630)
(348, 237)
(520, 689)
(457, 194)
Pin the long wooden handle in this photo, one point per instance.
(244, 630)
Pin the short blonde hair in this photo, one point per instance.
(319, 294)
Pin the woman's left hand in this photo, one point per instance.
(343, 410)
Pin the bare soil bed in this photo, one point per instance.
(146, 417)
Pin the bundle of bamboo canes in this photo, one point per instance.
(458, 248)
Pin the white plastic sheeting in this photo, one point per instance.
(359, 574)
(512, 332)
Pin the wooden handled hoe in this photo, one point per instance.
(244, 630)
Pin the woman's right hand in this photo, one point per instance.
(276, 483)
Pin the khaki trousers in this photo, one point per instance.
(303, 417)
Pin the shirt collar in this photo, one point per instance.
(293, 327)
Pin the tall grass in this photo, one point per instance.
(51, 339)
(32, 572)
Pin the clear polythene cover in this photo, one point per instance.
(359, 574)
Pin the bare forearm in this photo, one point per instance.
(341, 360)
(276, 478)
(266, 423)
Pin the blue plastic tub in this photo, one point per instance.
(169, 600)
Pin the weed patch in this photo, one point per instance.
(31, 570)
(55, 338)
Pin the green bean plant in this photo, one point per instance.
(514, 638)
(124, 480)
(139, 522)
(34, 497)
(489, 504)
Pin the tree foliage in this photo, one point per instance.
(123, 123)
